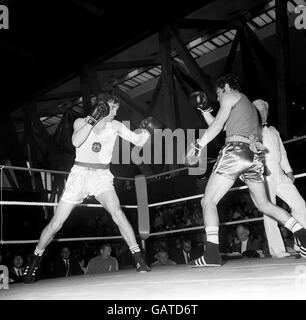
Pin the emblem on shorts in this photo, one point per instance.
(96, 147)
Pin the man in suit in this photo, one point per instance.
(246, 245)
(66, 265)
(185, 253)
(17, 268)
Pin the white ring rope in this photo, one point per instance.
(202, 226)
(201, 195)
(123, 206)
(127, 178)
(62, 240)
(51, 171)
(54, 204)
(48, 204)
(150, 205)
(294, 139)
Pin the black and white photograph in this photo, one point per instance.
(152, 154)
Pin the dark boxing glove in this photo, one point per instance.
(101, 109)
(199, 100)
(150, 124)
(193, 154)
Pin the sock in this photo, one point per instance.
(293, 225)
(212, 234)
(39, 252)
(135, 249)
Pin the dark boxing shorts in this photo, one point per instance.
(237, 160)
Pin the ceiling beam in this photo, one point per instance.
(167, 76)
(265, 58)
(196, 72)
(251, 82)
(88, 7)
(155, 94)
(201, 24)
(127, 64)
(58, 96)
(19, 51)
(231, 56)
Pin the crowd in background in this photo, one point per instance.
(92, 257)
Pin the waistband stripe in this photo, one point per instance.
(92, 165)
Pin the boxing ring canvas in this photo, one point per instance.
(241, 279)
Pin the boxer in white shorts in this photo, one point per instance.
(94, 138)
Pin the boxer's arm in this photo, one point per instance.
(138, 139)
(81, 131)
(218, 123)
(209, 118)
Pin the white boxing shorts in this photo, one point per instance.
(83, 182)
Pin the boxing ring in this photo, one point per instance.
(256, 278)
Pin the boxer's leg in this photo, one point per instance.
(110, 202)
(74, 192)
(61, 214)
(218, 185)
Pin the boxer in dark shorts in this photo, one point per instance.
(242, 156)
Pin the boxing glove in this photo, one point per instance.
(100, 110)
(199, 100)
(150, 124)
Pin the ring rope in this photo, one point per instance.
(127, 178)
(202, 226)
(61, 240)
(54, 204)
(48, 204)
(51, 171)
(300, 175)
(120, 237)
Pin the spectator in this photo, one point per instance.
(186, 253)
(66, 265)
(17, 268)
(163, 259)
(246, 244)
(104, 262)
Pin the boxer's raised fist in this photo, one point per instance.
(101, 110)
(199, 100)
(150, 124)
